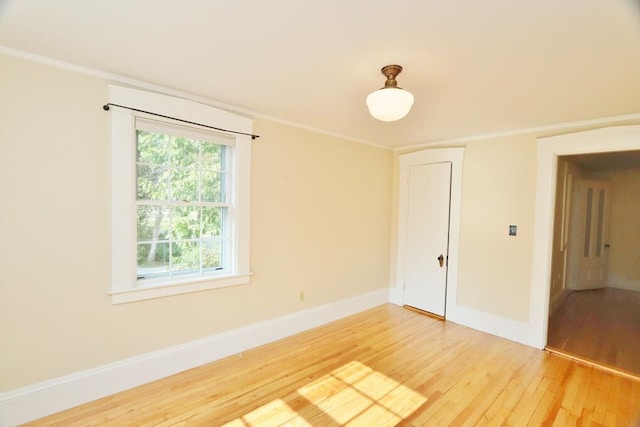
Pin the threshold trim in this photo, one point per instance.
(585, 361)
(427, 313)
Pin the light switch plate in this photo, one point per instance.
(513, 230)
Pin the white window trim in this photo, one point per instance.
(124, 288)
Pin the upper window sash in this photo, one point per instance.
(168, 127)
(155, 151)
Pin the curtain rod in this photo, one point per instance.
(107, 106)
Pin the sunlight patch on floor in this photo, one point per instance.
(353, 394)
(274, 413)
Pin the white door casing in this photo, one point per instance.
(610, 139)
(453, 156)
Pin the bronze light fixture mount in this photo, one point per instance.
(390, 72)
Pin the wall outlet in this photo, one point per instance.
(301, 296)
(513, 230)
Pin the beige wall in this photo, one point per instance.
(624, 227)
(624, 234)
(498, 190)
(320, 224)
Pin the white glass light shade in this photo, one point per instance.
(389, 104)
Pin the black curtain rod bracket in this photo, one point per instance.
(107, 107)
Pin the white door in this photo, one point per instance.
(427, 237)
(589, 235)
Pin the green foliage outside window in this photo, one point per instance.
(180, 192)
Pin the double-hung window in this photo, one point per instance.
(182, 194)
(179, 198)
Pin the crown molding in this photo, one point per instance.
(139, 84)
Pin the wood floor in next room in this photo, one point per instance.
(602, 325)
(383, 367)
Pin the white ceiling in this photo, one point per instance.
(475, 67)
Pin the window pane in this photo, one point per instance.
(185, 152)
(151, 183)
(211, 254)
(211, 222)
(152, 148)
(587, 226)
(186, 256)
(186, 222)
(153, 258)
(212, 156)
(600, 223)
(153, 223)
(212, 187)
(175, 237)
(184, 184)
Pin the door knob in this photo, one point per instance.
(441, 260)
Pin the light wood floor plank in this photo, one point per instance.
(602, 325)
(384, 367)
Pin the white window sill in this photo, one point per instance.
(159, 291)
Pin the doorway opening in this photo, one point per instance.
(594, 289)
(610, 139)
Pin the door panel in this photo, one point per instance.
(427, 237)
(589, 234)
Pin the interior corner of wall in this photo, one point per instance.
(395, 295)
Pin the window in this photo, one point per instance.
(181, 203)
(180, 198)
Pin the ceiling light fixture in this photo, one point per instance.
(391, 102)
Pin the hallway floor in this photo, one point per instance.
(602, 325)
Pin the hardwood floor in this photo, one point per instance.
(602, 325)
(383, 367)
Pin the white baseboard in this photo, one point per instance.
(491, 324)
(485, 322)
(622, 281)
(42, 399)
